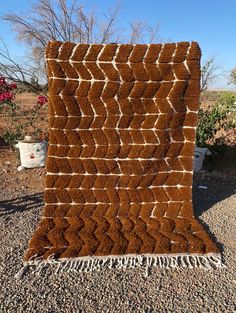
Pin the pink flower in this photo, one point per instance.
(6, 96)
(13, 86)
(42, 100)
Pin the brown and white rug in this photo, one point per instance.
(118, 189)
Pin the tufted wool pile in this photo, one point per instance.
(119, 168)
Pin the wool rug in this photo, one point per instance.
(118, 188)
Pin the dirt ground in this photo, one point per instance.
(173, 290)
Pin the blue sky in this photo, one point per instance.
(211, 22)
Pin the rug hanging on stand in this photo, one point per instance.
(118, 188)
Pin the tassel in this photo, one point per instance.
(203, 262)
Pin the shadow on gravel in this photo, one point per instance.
(20, 204)
(217, 190)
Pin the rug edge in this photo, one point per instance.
(205, 261)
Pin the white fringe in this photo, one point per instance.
(88, 264)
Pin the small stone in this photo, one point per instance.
(202, 187)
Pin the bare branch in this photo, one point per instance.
(107, 27)
(142, 32)
(16, 72)
(87, 24)
(153, 33)
(62, 20)
(136, 35)
(209, 73)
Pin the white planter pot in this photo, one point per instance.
(32, 154)
(199, 155)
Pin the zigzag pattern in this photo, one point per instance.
(122, 122)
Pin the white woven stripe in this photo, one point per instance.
(119, 174)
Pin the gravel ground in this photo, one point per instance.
(175, 290)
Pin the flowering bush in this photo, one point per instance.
(20, 122)
(6, 94)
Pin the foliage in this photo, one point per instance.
(227, 103)
(208, 125)
(19, 122)
(220, 117)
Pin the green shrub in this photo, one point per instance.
(220, 116)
